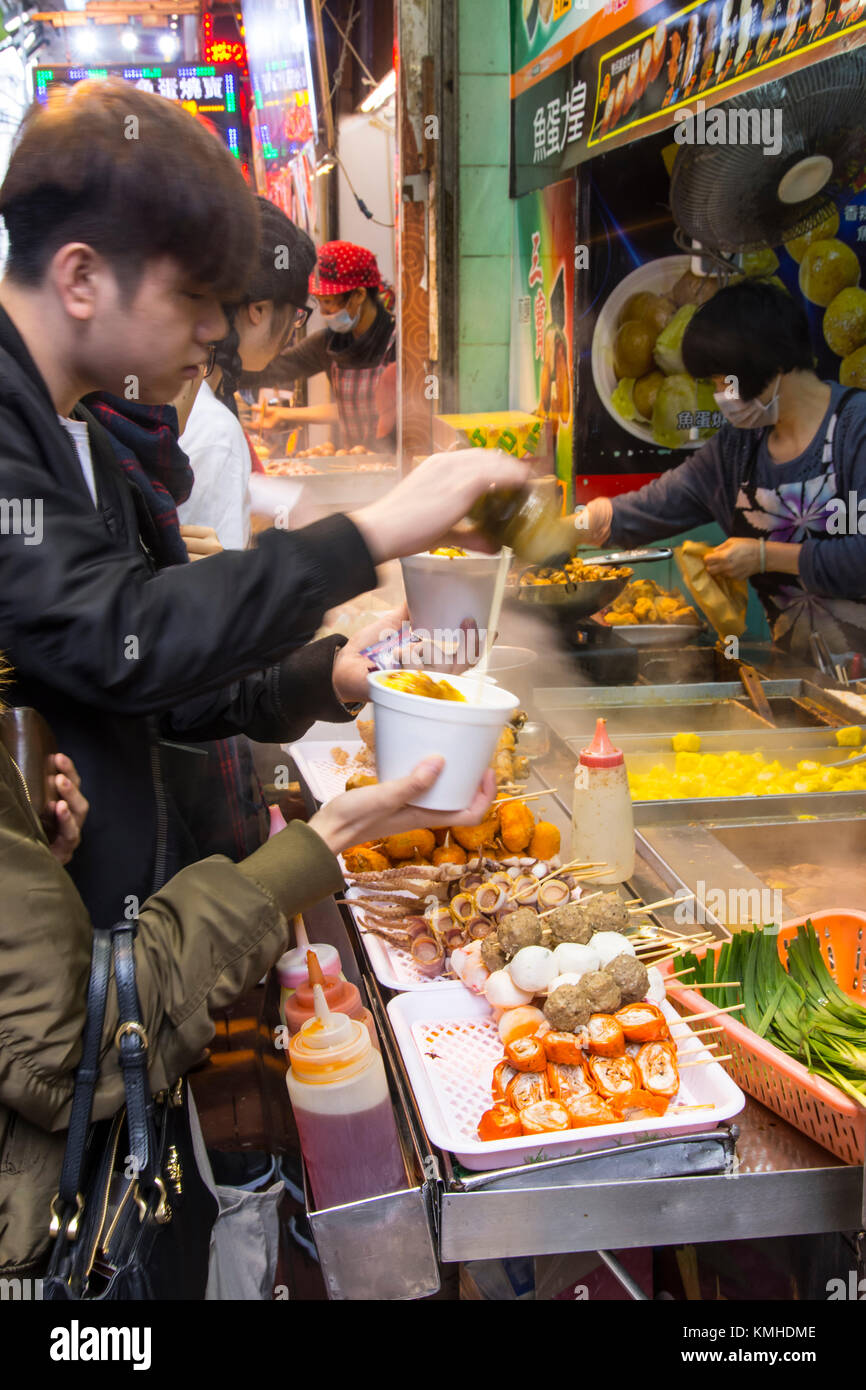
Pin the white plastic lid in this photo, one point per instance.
(336, 1029)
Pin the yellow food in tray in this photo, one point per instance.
(419, 683)
(697, 775)
(644, 601)
(573, 572)
(452, 552)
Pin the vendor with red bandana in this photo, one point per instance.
(356, 348)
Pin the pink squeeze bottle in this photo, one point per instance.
(340, 1099)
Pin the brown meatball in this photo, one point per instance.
(608, 913)
(568, 1008)
(602, 992)
(519, 929)
(492, 954)
(569, 923)
(630, 975)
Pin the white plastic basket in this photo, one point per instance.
(450, 1045)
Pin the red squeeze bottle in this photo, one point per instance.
(341, 997)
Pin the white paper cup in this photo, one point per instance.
(444, 591)
(412, 727)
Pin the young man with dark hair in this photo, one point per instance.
(778, 477)
(129, 224)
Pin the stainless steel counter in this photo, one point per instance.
(779, 1183)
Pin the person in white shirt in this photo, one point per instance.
(261, 327)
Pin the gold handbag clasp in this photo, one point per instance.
(56, 1222)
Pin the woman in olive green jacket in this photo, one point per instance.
(203, 940)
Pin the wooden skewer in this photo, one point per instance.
(530, 796)
(718, 984)
(700, 1033)
(662, 902)
(683, 942)
(704, 1061)
(678, 1109)
(579, 903)
(711, 1013)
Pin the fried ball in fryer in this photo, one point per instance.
(519, 929)
(568, 1008)
(631, 977)
(601, 992)
(492, 954)
(569, 923)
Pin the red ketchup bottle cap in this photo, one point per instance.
(601, 752)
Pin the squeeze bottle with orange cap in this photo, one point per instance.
(602, 817)
(340, 1099)
(341, 997)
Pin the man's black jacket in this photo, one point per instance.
(116, 654)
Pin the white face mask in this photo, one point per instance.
(341, 322)
(749, 415)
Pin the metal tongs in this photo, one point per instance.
(630, 557)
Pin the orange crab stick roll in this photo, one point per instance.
(567, 1080)
(585, 1111)
(614, 1075)
(527, 1088)
(639, 1105)
(657, 1065)
(606, 1037)
(500, 1122)
(526, 1054)
(503, 1075)
(642, 1023)
(544, 1116)
(563, 1047)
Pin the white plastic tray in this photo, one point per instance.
(450, 1045)
(315, 763)
(393, 966)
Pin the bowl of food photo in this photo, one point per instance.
(637, 365)
(448, 589)
(419, 713)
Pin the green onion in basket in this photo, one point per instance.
(801, 1009)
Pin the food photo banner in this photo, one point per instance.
(542, 313)
(583, 84)
(637, 411)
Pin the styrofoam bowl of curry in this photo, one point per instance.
(419, 713)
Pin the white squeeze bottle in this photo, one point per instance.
(602, 818)
(343, 1111)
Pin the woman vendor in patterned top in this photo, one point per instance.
(785, 477)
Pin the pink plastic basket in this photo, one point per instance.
(780, 1082)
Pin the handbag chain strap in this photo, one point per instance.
(131, 1042)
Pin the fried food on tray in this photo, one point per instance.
(410, 844)
(516, 826)
(360, 779)
(574, 571)
(644, 601)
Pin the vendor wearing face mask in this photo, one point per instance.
(355, 347)
(778, 477)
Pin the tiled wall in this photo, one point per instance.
(485, 210)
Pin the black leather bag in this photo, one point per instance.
(133, 1216)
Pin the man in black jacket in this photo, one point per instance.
(128, 226)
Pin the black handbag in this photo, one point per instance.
(132, 1217)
